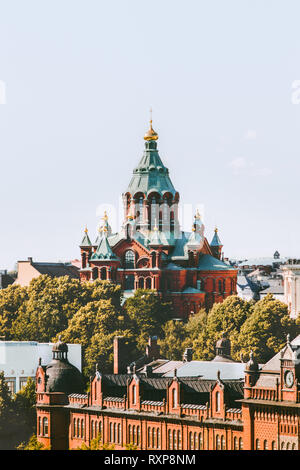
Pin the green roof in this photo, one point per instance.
(104, 250)
(209, 263)
(151, 174)
(216, 240)
(86, 240)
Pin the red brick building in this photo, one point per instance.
(151, 251)
(169, 413)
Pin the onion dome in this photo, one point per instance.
(86, 239)
(151, 134)
(252, 364)
(105, 227)
(61, 376)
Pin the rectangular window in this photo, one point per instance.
(11, 383)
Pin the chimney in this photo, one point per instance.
(188, 355)
(29, 259)
(120, 355)
(152, 349)
(148, 371)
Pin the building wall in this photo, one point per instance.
(291, 274)
(19, 359)
(26, 272)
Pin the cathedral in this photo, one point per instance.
(151, 251)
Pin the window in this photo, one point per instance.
(115, 432)
(103, 274)
(45, 426)
(170, 439)
(241, 444)
(23, 382)
(119, 433)
(174, 440)
(129, 433)
(138, 438)
(196, 441)
(191, 441)
(39, 426)
(235, 444)
(200, 441)
(153, 438)
(111, 432)
(158, 439)
(11, 383)
(174, 398)
(179, 439)
(217, 402)
(134, 395)
(129, 282)
(129, 259)
(82, 429)
(257, 444)
(223, 447)
(95, 274)
(148, 283)
(134, 434)
(141, 283)
(288, 446)
(74, 427)
(217, 442)
(265, 444)
(273, 445)
(78, 428)
(92, 429)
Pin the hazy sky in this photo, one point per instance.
(80, 77)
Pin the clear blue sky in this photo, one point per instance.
(80, 78)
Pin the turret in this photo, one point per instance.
(216, 245)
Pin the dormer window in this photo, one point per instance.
(174, 398)
(134, 395)
(218, 400)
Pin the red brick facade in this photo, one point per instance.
(188, 413)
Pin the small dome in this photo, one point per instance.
(63, 377)
(60, 346)
(151, 134)
(252, 364)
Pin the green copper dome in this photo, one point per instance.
(151, 175)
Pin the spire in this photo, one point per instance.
(103, 228)
(216, 239)
(104, 251)
(86, 239)
(155, 239)
(151, 134)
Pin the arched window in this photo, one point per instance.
(179, 439)
(129, 434)
(78, 428)
(273, 445)
(172, 223)
(288, 446)
(174, 440)
(200, 441)
(221, 286)
(170, 439)
(141, 283)
(134, 395)
(294, 446)
(103, 274)
(191, 441)
(282, 446)
(39, 426)
(153, 438)
(174, 398)
(83, 258)
(223, 447)
(74, 427)
(95, 274)
(235, 444)
(196, 441)
(158, 438)
(119, 433)
(241, 444)
(134, 434)
(149, 437)
(45, 426)
(82, 429)
(115, 432)
(257, 444)
(160, 221)
(265, 444)
(129, 259)
(100, 429)
(138, 437)
(217, 442)
(217, 402)
(148, 283)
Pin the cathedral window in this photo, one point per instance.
(129, 259)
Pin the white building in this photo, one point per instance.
(291, 276)
(19, 360)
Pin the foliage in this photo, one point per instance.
(25, 410)
(171, 346)
(131, 446)
(96, 445)
(148, 313)
(32, 444)
(266, 329)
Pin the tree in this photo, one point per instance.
(8, 421)
(174, 335)
(266, 329)
(11, 299)
(24, 406)
(148, 313)
(32, 444)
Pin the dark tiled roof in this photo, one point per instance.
(5, 280)
(57, 269)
